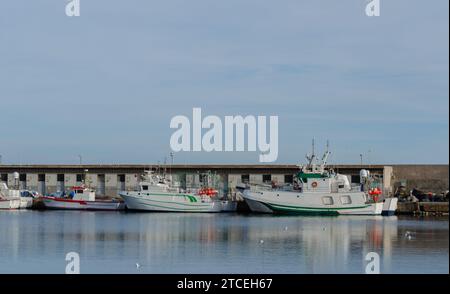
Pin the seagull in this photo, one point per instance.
(408, 235)
(261, 241)
(138, 265)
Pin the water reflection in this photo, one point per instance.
(36, 242)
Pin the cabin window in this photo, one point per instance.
(341, 186)
(288, 179)
(346, 199)
(267, 178)
(327, 200)
(245, 178)
(79, 191)
(145, 187)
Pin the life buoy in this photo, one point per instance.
(314, 184)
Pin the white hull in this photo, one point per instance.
(169, 202)
(257, 206)
(348, 203)
(389, 206)
(372, 209)
(55, 203)
(26, 202)
(10, 198)
(10, 203)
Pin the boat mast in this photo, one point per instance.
(171, 164)
(325, 157)
(311, 157)
(165, 167)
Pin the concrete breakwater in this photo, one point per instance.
(423, 208)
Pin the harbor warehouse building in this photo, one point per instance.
(109, 179)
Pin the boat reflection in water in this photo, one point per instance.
(36, 242)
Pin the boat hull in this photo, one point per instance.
(26, 202)
(68, 204)
(389, 206)
(166, 202)
(281, 202)
(10, 203)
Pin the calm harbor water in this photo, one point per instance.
(114, 242)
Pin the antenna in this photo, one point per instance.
(326, 154)
(165, 165)
(311, 157)
(171, 163)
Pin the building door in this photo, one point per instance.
(121, 183)
(41, 184)
(100, 185)
(60, 186)
(23, 181)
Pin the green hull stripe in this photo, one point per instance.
(314, 208)
(171, 202)
(199, 209)
(300, 209)
(168, 194)
(191, 197)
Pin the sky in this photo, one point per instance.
(106, 84)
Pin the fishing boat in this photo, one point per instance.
(9, 203)
(157, 192)
(81, 198)
(318, 190)
(12, 199)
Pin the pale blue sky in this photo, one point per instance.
(107, 83)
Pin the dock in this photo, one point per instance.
(423, 208)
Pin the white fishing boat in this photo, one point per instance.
(318, 191)
(81, 198)
(9, 203)
(157, 193)
(12, 199)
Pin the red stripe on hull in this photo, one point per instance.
(82, 202)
